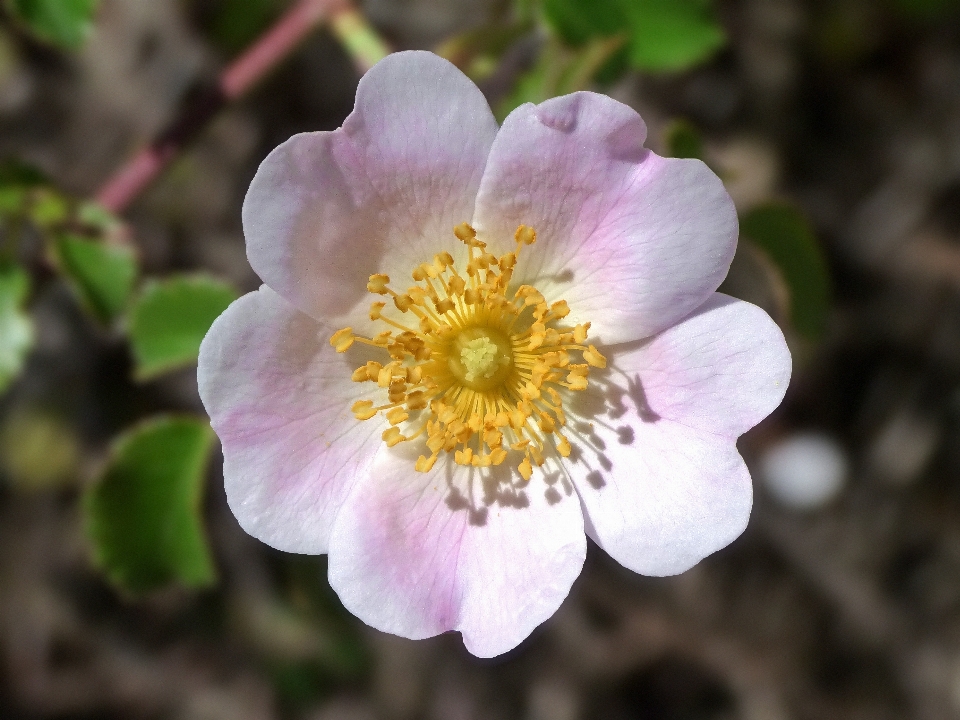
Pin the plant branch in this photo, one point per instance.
(272, 48)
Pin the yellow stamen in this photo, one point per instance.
(363, 409)
(478, 370)
(342, 339)
(378, 284)
(594, 358)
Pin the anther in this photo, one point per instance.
(525, 235)
(594, 358)
(397, 415)
(378, 284)
(416, 400)
(425, 464)
(342, 339)
(560, 309)
(498, 455)
(363, 409)
(392, 436)
(465, 232)
(443, 306)
(526, 471)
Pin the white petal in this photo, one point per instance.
(413, 554)
(279, 398)
(633, 241)
(382, 194)
(721, 370)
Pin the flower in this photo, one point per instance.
(476, 345)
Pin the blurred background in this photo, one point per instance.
(127, 589)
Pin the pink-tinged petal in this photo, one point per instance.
(657, 469)
(279, 398)
(412, 557)
(659, 497)
(633, 241)
(723, 369)
(381, 194)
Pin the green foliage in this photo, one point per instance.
(683, 140)
(169, 319)
(559, 71)
(48, 209)
(17, 173)
(12, 200)
(143, 516)
(236, 23)
(16, 327)
(85, 242)
(662, 35)
(101, 274)
(785, 235)
(17, 179)
(65, 23)
(299, 684)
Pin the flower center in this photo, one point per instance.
(479, 370)
(485, 358)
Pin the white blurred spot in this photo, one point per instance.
(805, 470)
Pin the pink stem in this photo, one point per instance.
(266, 53)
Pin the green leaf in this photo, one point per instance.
(99, 218)
(236, 23)
(143, 516)
(664, 35)
(683, 140)
(170, 318)
(673, 34)
(101, 274)
(579, 20)
(65, 23)
(13, 201)
(49, 209)
(785, 235)
(16, 326)
(20, 174)
(17, 179)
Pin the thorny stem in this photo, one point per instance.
(272, 48)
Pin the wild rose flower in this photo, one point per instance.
(543, 355)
